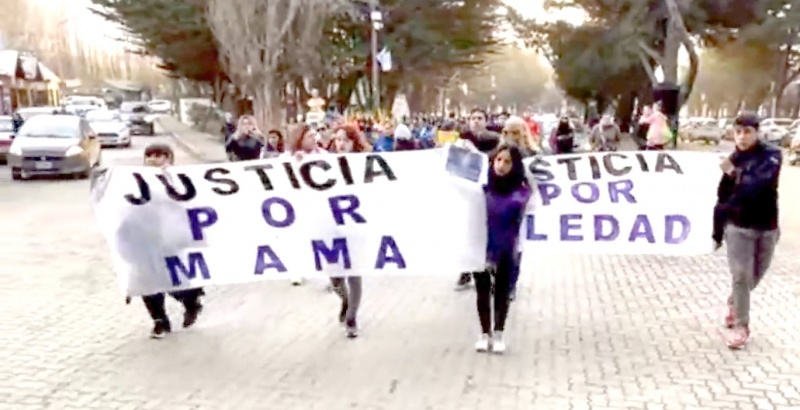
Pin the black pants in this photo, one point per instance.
(502, 287)
(156, 306)
(658, 147)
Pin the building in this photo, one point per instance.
(26, 82)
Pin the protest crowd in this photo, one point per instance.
(745, 216)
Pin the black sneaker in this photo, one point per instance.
(464, 281)
(190, 315)
(351, 330)
(343, 312)
(160, 329)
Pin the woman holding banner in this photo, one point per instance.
(348, 139)
(302, 142)
(507, 193)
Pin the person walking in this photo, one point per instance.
(506, 194)
(562, 138)
(658, 130)
(748, 204)
(478, 138)
(605, 136)
(348, 139)
(274, 146)
(162, 156)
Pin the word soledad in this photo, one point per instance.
(615, 198)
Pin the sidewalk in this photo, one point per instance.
(203, 147)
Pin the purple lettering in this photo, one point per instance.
(530, 225)
(274, 261)
(642, 229)
(200, 218)
(568, 227)
(338, 251)
(621, 188)
(602, 221)
(594, 192)
(548, 192)
(345, 205)
(686, 227)
(197, 264)
(389, 253)
(266, 211)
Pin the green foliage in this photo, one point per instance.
(175, 31)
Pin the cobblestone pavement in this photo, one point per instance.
(587, 332)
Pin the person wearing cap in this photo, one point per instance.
(747, 207)
(162, 156)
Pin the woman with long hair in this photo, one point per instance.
(563, 137)
(658, 131)
(302, 142)
(507, 193)
(274, 145)
(247, 142)
(516, 132)
(349, 139)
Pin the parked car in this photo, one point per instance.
(137, 115)
(54, 145)
(160, 107)
(111, 130)
(80, 110)
(85, 100)
(6, 135)
(776, 130)
(30, 112)
(707, 131)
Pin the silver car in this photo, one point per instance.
(111, 130)
(54, 145)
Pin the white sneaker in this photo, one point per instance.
(482, 345)
(498, 343)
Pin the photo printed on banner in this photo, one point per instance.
(464, 163)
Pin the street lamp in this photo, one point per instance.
(376, 18)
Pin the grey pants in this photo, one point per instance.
(749, 256)
(349, 289)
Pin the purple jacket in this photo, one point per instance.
(504, 216)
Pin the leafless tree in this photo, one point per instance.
(262, 40)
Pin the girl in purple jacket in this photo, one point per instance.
(507, 193)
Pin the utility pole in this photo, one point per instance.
(376, 18)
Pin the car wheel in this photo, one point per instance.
(16, 174)
(127, 144)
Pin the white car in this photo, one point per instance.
(776, 130)
(111, 129)
(85, 100)
(30, 112)
(160, 107)
(80, 110)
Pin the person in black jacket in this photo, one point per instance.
(747, 207)
(247, 142)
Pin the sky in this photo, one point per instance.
(101, 33)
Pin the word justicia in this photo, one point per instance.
(318, 175)
(601, 222)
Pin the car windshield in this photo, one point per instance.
(50, 126)
(6, 125)
(28, 114)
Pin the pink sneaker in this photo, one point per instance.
(738, 337)
(730, 318)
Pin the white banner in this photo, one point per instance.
(400, 213)
(622, 203)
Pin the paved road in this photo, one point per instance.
(590, 332)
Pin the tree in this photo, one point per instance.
(260, 41)
(174, 31)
